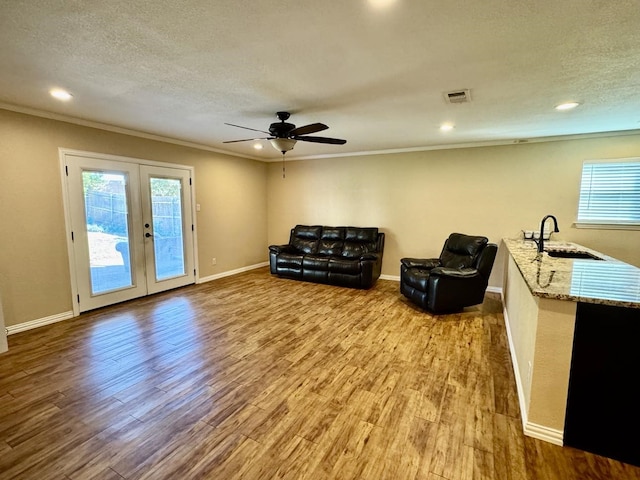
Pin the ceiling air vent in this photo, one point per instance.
(459, 96)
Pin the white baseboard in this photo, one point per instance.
(497, 290)
(39, 322)
(231, 272)
(530, 429)
(546, 434)
(4, 346)
(516, 369)
(393, 278)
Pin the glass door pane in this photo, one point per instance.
(106, 238)
(107, 223)
(167, 220)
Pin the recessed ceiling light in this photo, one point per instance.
(446, 127)
(567, 106)
(60, 94)
(381, 3)
(257, 146)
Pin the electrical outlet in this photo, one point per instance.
(214, 261)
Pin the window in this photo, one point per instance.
(610, 194)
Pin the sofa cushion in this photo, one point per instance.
(309, 232)
(355, 234)
(333, 233)
(352, 250)
(357, 249)
(315, 262)
(343, 265)
(305, 238)
(289, 260)
(358, 241)
(330, 247)
(304, 246)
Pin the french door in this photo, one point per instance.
(131, 229)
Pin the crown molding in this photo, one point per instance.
(200, 146)
(116, 129)
(490, 143)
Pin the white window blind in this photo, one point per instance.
(610, 193)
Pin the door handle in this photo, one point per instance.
(148, 235)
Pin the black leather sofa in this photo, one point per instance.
(343, 256)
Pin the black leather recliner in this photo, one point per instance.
(457, 279)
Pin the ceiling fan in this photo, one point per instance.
(283, 136)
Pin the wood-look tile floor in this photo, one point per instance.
(256, 377)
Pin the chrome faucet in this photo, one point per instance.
(555, 229)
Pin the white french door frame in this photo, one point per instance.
(63, 153)
(154, 283)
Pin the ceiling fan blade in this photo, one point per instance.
(247, 140)
(311, 128)
(333, 141)
(247, 128)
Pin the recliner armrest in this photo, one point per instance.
(280, 248)
(454, 272)
(370, 256)
(420, 262)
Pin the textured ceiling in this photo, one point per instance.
(375, 76)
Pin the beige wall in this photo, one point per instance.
(552, 363)
(419, 198)
(522, 322)
(3, 334)
(34, 270)
(541, 334)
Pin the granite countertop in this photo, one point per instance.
(607, 281)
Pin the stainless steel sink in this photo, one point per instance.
(572, 254)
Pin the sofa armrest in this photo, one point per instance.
(280, 248)
(420, 262)
(370, 256)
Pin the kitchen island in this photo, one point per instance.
(573, 327)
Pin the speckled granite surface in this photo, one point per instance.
(607, 281)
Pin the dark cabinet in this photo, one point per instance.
(603, 404)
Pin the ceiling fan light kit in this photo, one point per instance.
(283, 144)
(283, 135)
